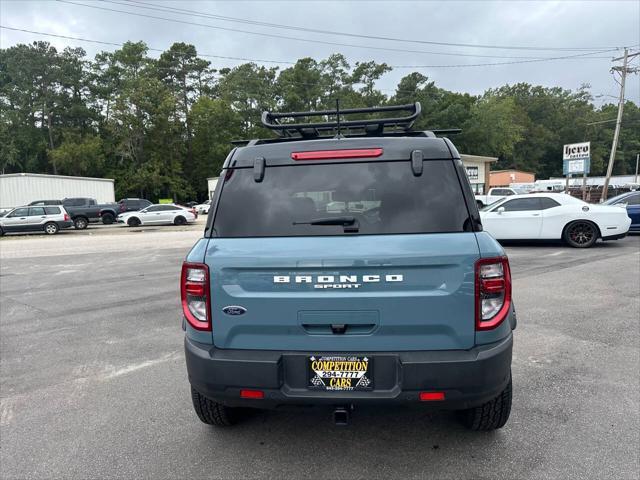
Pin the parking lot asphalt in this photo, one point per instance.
(93, 382)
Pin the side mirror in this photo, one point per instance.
(500, 210)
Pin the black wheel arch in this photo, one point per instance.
(586, 220)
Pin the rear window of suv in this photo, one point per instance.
(382, 198)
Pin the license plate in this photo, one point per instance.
(340, 372)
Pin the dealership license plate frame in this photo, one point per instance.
(351, 373)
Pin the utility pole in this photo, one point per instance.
(623, 76)
(635, 180)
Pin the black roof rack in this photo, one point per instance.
(369, 126)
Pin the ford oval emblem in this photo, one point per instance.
(585, 208)
(234, 310)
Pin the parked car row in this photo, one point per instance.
(49, 217)
(83, 210)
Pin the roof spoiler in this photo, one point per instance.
(371, 126)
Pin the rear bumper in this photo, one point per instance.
(468, 377)
(64, 224)
(616, 237)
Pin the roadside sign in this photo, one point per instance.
(576, 151)
(165, 200)
(576, 167)
(576, 158)
(472, 172)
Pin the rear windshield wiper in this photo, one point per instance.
(350, 224)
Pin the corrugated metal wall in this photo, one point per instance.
(21, 189)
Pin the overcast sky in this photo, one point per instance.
(564, 24)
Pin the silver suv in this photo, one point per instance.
(47, 218)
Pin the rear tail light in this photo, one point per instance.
(493, 292)
(196, 297)
(337, 154)
(122, 207)
(67, 218)
(252, 394)
(431, 396)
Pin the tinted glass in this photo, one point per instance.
(171, 207)
(382, 197)
(51, 210)
(547, 202)
(501, 191)
(20, 212)
(156, 208)
(521, 204)
(632, 199)
(73, 202)
(36, 211)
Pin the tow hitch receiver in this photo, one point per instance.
(341, 416)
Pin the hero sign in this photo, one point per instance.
(577, 151)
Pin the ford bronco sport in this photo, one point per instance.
(344, 263)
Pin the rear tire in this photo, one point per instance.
(213, 413)
(133, 222)
(51, 228)
(490, 415)
(108, 218)
(80, 223)
(179, 221)
(580, 234)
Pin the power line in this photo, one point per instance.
(153, 6)
(271, 35)
(101, 42)
(585, 56)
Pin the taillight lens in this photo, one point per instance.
(67, 218)
(493, 292)
(194, 289)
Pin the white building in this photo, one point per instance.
(616, 180)
(23, 188)
(212, 182)
(478, 168)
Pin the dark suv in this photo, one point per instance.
(344, 264)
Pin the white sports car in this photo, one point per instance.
(554, 216)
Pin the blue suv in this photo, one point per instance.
(344, 264)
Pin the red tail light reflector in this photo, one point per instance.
(67, 218)
(195, 295)
(253, 394)
(493, 292)
(337, 154)
(431, 396)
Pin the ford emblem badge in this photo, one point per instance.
(234, 310)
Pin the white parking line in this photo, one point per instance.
(554, 254)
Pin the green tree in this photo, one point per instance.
(250, 90)
(80, 156)
(494, 127)
(215, 125)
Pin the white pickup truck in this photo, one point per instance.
(496, 194)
